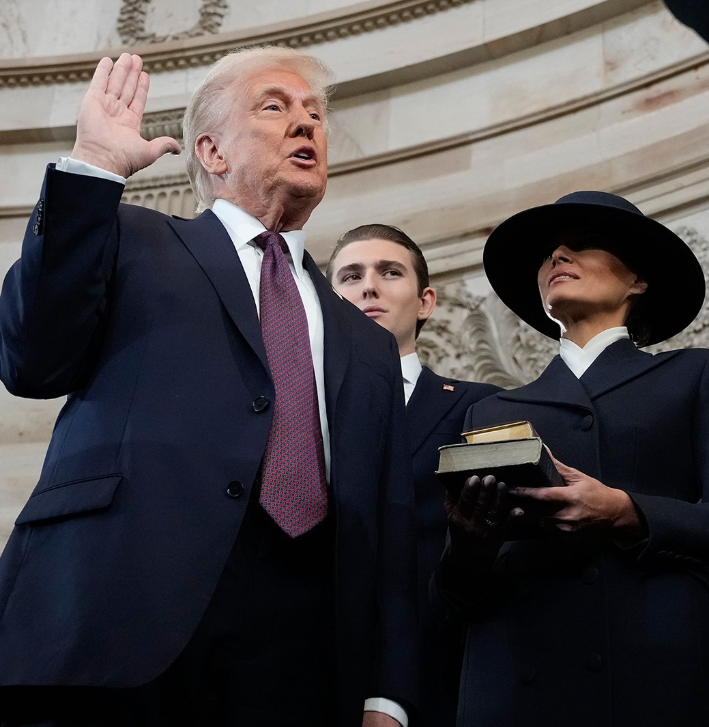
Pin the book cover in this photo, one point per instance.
(518, 461)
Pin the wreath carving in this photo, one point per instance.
(131, 22)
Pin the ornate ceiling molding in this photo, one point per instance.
(667, 194)
(163, 123)
(131, 22)
(194, 52)
(141, 184)
(169, 122)
(550, 112)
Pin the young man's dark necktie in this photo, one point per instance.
(293, 486)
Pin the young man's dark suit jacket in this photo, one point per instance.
(150, 326)
(435, 415)
(581, 628)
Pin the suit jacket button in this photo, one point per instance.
(527, 675)
(590, 575)
(260, 404)
(235, 489)
(594, 661)
(587, 422)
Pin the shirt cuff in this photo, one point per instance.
(74, 166)
(386, 706)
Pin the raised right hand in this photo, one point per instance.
(108, 127)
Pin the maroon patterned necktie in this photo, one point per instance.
(293, 487)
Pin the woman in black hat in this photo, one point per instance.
(604, 618)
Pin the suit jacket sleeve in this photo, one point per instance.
(55, 297)
(678, 529)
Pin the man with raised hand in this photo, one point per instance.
(222, 532)
(383, 272)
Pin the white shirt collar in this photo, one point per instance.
(411, 368)
(579, 359)
(410, 372)
(243, 227)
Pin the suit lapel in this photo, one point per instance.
(429, 403)
(618, 364)
(338, 338)
(209, 243)
(557, 385)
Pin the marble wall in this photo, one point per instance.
(449, 116)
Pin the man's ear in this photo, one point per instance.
(428, 304)
(207, 150)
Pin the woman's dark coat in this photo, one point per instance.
(582, 629)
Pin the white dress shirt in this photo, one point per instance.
(410, 370)
(242, 228)
(579, 359)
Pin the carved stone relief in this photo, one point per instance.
(163, 123)
(131, 22)
(170, 194)
(477, 338)
(131, 27)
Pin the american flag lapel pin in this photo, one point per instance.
(448, 387)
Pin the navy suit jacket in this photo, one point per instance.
(435, 416)
(149, 325)
(584, 628)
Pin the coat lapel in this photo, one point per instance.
(338, 338)
(618, 364)
(557, 385)
(209, 243)
(429, 403)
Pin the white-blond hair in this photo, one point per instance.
(212, 101)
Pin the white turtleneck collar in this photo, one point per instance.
(579, 359)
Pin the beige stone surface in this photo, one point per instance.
(21, 465)
(55, 27)
(32, 28)
(26, 420)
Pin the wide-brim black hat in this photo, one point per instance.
(514, 253)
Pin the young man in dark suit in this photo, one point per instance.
(384, 273)
(222, 533)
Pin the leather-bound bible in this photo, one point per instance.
(513, 453)
(501, 433)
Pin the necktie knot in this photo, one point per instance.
(266, 239)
